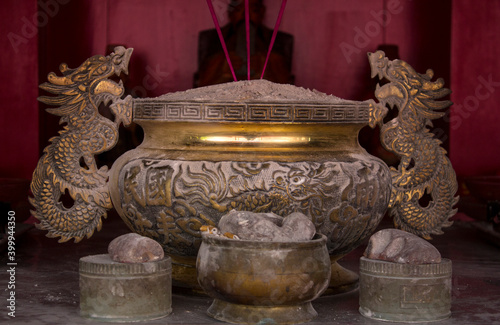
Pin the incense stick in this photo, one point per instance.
(221, 37)
(275, 32)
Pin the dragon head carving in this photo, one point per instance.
(88, 85)
(407, 89)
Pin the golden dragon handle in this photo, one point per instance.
(424, 167)
(68, 162)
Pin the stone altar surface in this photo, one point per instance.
(47, 282)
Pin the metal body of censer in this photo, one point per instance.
(245, 146)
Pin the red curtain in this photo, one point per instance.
(475, 116)
(19, 88)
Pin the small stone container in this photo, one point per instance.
(404, 292)
(124, 292)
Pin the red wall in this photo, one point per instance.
(331, 41)
(18, 88)
(333, 37)
(475, 116)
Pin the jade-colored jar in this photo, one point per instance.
(125, 292)
(405, 292)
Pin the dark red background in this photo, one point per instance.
(456, 38)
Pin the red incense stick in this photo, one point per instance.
(219, 32)
(273, 38)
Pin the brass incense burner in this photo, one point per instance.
(250, 145)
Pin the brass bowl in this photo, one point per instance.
(203, 157)
(255, 281)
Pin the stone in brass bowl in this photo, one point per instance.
(256, 281)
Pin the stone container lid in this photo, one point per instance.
(103, 265)
(384, 268)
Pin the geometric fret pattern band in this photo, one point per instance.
(251, 112)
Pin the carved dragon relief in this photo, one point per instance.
(424, 167)
(170, 200)
(68, 163)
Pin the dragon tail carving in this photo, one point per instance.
(423, 167)
(68, 163)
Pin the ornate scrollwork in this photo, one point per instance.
(424, 167)
(68, 162)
